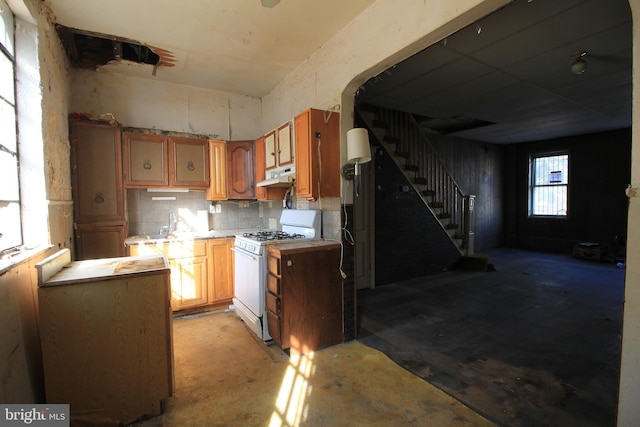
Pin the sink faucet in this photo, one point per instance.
(172, 221)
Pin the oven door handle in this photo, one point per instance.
(253, 257)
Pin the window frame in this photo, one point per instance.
(531, 186)
(9, 52)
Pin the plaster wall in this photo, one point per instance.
(149, 103)
(43, 88)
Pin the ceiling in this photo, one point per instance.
(507, 78)
(235, 46)
(503, 79)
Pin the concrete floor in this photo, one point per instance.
(534, 343)
(225, 376)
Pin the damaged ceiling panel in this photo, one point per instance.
(92, 50)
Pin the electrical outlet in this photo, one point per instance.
(218, 208)
(212, 208)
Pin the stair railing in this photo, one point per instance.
(404, 139)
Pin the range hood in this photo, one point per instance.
(279, 178)
(279, 181)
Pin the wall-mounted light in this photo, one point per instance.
(579, 65)
(270, 3)
(358, 152)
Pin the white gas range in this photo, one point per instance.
(250, 274)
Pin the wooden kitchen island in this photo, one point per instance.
(304, 297)
(105, 329)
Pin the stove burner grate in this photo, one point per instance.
(262, 236)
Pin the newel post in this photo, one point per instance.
(468, 224)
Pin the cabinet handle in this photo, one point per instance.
(99, 198)
(146, 164)
(190, 165)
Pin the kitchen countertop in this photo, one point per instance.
(176, 237)
(304, 244)
(101, 269)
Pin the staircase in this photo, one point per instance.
(407, 144)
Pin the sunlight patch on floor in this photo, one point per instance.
(291, 404)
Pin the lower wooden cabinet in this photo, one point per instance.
(220, 262)
(99, 241)
(201, 270)
(304, 295)
(188, 281)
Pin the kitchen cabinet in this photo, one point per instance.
(146, 160)
(220, 268)
(188, 263)
(304, 295)
(106, 336)
(240, 170)
(265, 193)
(217, 170)
(189, 162)
(278, 147)
(98, 191)
(100, 241)
(165, 161)
(96, 167)
(317, 148)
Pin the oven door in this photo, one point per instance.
(249, 281)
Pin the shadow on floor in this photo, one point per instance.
(534, 343)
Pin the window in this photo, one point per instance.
(548, 184)
(10, 225)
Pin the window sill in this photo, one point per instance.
(7, 262)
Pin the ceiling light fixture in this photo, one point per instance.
(579, 65)
(270, 3)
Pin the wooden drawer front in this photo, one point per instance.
(273, 265)
(273, 303)
(273, 322)
(273, 284)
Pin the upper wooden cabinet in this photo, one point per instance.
(217, 170)
(240, 170)
(317, 142)
(160, 161)
(146, 160)
(265, 193)
(189, 162)
(278, 147)
(96, 167)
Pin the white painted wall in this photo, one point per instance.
(150, 103)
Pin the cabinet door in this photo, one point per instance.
(96, 165)
(285, 145)
(260, 150)
(304, 166)
(145, 160)
(240, 173)
(100, 241)
(220, 272)
(217, 170)
(317, 146)
(265, 193)
(188, 282)
(189, 163)
(270, 150)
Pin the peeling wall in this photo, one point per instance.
(150, 103)
(43, 94)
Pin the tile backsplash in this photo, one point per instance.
(146, 216)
